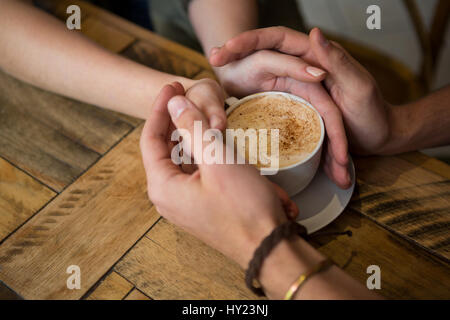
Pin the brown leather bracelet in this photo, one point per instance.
(286, 230)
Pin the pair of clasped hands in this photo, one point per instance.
(232, 207)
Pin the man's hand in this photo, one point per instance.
(365, 113)
(252, 69)
(230, 207)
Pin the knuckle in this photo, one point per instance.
(368, 88)
(280, 29)
(341, 56)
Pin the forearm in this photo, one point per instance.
(37, 48)
(421, 124)
(290, 259)
(217, 21)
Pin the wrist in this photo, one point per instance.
(401, 125)
(186, 82)
(285, 263)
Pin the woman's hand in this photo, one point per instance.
(265, 70)
(208, 96)
(230, 207)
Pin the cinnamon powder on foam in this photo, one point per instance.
(299, 126)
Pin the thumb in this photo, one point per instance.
(343, 69)
(191, 125)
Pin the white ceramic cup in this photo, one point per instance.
(296, 177)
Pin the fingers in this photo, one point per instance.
(338, 173)
(283, 65)
(208, 96)
(289, 206)
(153, 143)
(179, 89)
(276, 38)
(219, 57)
(345, 71)
(191, 125)
(331, 115)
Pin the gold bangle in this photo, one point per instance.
(321, 266)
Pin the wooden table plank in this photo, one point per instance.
(7, 294)
(407, 271)
(432, 164)
(135, 294)
(171, 264)
(58, 8)
(174, 265)
(106, 35)
(53, 138)
(406, 199)
(91, 224)
(113, 287)
(20, 197)
(159, 59)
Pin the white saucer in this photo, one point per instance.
(322, 201)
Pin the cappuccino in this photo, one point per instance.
(299, 126)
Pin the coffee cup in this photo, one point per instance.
(295, 176)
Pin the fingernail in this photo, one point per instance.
(176, 107)
(315, 72)
(214, 51)
(349, 180)
(215, 121)
(322, 40)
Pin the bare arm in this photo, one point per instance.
(37, 48)
(421, 124)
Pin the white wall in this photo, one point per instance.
(396, 38)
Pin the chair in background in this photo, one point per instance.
(398, 83)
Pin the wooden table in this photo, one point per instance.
(73, 192)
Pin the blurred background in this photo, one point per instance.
(410, 54)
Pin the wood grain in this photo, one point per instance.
(159, 59)
(106, 35)
(20, 197)
(406, 199)
(431, 164)
(53, 138)
(58, 8)
(407, 271)
(135, 294)
(170, 264)
(91, 224)
(113, 287)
